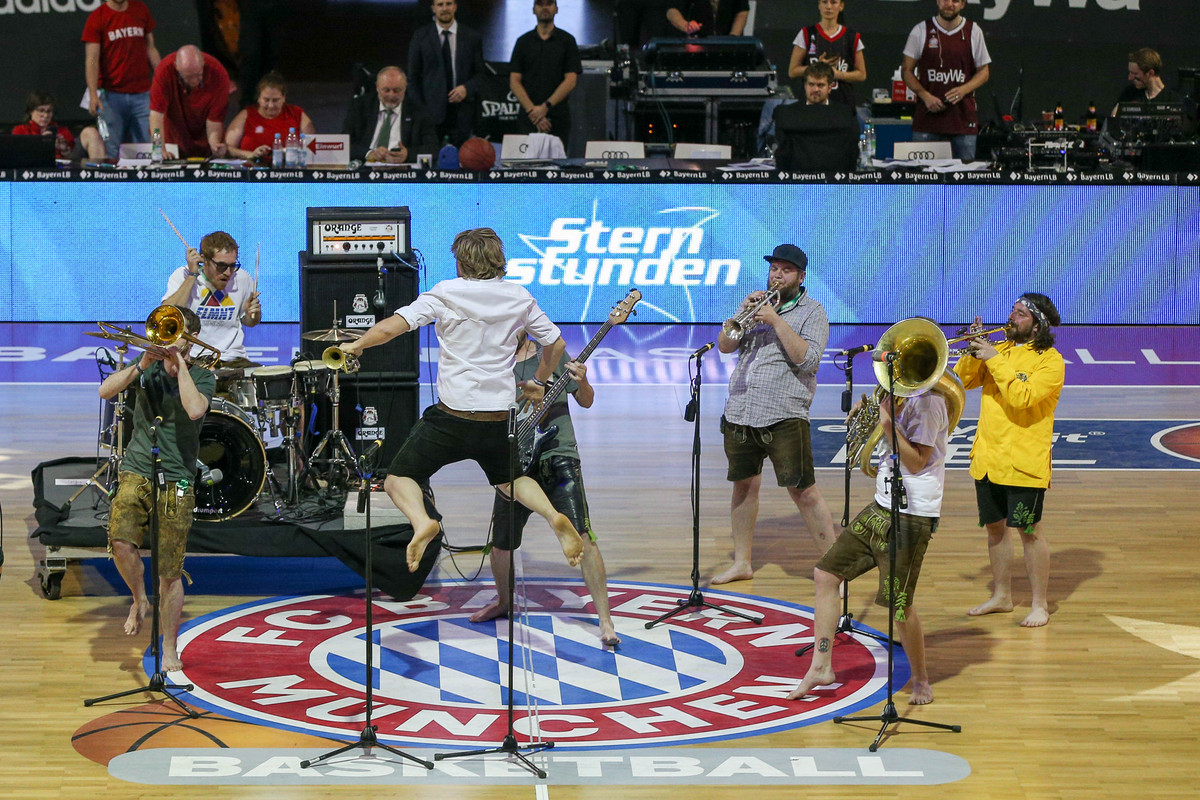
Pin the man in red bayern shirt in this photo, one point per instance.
(119, 52)
(188, 100)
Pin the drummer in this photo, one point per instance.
(224, 296)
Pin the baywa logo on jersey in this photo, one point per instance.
(581, 252)
(440, 680)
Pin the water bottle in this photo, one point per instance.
(864, 158)
(102, 127)
(156, 147)
(277, 152)
(870, 143)
(292, 154)
(302, 160)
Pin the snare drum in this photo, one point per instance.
(229, 444)
(274, 386)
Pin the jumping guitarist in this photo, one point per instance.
(556, 469)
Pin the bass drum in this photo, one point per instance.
(235, 456)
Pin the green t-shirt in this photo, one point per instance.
(563, 443)
(178, 435)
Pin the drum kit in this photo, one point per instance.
(254, 411)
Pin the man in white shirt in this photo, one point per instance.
(477, 317)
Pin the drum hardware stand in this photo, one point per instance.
(696, 599)
(845, 623)
(158, 681)
(889, 716)
(368, 738)
(509, 746)
(341, 454)
(112, 465)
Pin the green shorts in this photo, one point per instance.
(129, 520)
(787, 443)
(864, 544)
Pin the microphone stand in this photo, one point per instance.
(158, 681)
(509, 746)
(889, 715)
(845, 623)
(696, 599)
(367, 739)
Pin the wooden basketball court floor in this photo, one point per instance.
(1100, 703)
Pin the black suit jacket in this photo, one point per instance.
(816, 138)
(428, 82)
(417, 132)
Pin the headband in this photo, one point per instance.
(1029, 304)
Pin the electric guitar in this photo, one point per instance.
(531, 439)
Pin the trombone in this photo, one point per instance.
(165, 328)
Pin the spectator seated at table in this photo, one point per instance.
(39, 121)
(253, 130)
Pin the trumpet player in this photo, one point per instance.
(779, 346)
(178, 394)
(1021, 380)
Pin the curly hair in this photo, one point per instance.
(215, 242)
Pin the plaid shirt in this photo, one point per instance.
(766, 386)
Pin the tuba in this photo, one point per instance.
(921, 364)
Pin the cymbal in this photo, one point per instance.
(332, 335)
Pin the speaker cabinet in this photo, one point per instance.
(373, 406)
(355, 287)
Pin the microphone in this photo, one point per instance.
(369, 452)
(380, 298)
(512, 421)
(884, 356)
(209, 477)
(703, 350)
(853, 351)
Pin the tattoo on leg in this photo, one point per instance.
(823, 646)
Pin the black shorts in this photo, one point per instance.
(439, 439)
(562, 481)
(787, 443)
(1019, 506)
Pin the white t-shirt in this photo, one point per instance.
(922, 420)
(220, 312)
(477, 322)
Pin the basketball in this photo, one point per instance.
(477, 154)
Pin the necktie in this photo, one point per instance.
(385, 131)
(447, 61)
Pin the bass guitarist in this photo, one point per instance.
(557, 471)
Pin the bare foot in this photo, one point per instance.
(421, 538)
(494, 611)
(814, 678)
(922, 693)
(992, 606)
(737, 572)
(1036, 619)
(608, 634)
(171, 661)
(137, 613)
(569, 538)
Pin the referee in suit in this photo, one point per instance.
(445, 72)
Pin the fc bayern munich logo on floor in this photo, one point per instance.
(440, 680)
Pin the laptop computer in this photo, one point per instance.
(17, 151)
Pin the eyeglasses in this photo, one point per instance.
(220, 267)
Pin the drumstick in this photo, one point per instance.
(257, 259)
(177, 233)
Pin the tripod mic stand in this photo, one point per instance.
(845, 623)
(889, 715)
(509, 746)
(158, 681)
(367, 738)
(696, 599)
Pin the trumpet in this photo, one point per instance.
(165, 327)
(965, 333)
(735, 327)
(336, 359)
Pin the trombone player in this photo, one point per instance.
(779, 345)
(175, 394)
(1021, 380)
